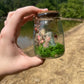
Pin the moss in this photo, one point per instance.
(51, 51)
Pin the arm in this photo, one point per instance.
(12, 58)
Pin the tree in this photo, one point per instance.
(72, 8)
(67, 8)
(1, 13)
(50, 4)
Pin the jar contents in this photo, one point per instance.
(46, 41)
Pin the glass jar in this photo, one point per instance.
(48, 35)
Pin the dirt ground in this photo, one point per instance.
(68, 69)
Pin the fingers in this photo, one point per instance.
(26, 62)
(22, 12)
(35, 61)
(26, 19)
(17, 18)
(8, 17)
(25, 11)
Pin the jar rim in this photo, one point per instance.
(48, 14)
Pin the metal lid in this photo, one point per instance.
(49, 14)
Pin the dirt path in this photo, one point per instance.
(72, 19)
(68, 69)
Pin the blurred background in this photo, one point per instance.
(66, 8)
(69, 69)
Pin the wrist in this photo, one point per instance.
(2, 69)
(1, 72)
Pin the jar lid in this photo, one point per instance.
(48, 14)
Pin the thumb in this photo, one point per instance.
(26, 62)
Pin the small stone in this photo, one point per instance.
(45, 45)
(37, 80)
(42, 32)
(55, 36)
(41, 41)
(36, 29)
(39, 37)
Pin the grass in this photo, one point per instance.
(51, 51)
(67, 25)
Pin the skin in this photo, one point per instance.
(12, 58)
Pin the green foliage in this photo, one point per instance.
(73, 9)
(29, 28)
(51, 51)
(67, 8)
(1, 24)
(1, 13)
(10, 5)
(51, 5)
(69, 24)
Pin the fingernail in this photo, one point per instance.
(45, 9)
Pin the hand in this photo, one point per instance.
(12, 58)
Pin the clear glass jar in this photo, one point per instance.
(48, 35)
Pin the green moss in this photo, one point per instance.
(51, 51)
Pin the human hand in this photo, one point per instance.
(12, 58)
